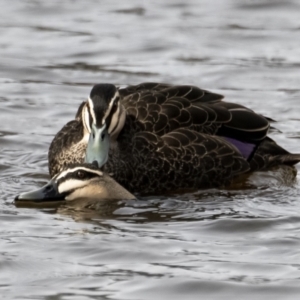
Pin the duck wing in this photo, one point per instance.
(245, 124)
(186, 158)
(165, 108)
(188, 92)
(161, 108)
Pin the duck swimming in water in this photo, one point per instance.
(77, 182)
(158, 137)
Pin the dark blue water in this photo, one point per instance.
(214, 244)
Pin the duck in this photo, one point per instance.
(153, 138)
(77, 181)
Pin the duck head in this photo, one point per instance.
(78, 181)
(103, 117)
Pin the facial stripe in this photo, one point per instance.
(107, 113)
(68, 171)
(117, 121)
(91, 110)
(70, 185)
(86, 119)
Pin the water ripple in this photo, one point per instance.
(240, 242)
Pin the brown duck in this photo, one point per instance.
(157, 137)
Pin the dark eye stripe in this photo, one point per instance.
(74, 175)
(114, 108)
(112, 112)
(90, 120)
(117, 123)
(101, 109)
(90, 115)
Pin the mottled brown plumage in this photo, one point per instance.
(68, 146)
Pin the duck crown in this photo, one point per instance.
(102, 102)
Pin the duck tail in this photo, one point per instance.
(269, 154)
(286, 159)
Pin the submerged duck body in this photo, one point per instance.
(157, 137)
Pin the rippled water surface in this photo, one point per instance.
(213, 244)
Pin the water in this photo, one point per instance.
(212, 244)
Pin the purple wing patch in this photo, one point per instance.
(246, 149)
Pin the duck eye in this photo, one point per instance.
(114, 107)
(80, 174)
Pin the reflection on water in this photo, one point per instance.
(242, 242)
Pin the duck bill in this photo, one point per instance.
(47, 193)
(98, 146)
